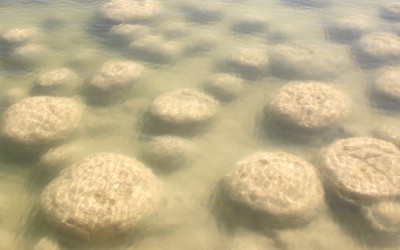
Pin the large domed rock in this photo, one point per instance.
(309, 106)
(102, 197)
(41, 120)
(362, 170)
(276, 185)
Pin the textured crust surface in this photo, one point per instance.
(104, 195)
(117, 74)
(363, 169)
(383, 216)
(309, 105)
(41, 119)
(277, 185)
(129, 10)
(184, 107)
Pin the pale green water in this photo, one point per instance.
(68, 29)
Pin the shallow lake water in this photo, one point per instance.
(203, 36)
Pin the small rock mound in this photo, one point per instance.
(169, 153)
(184, 108)
(125, 11)
(224, 87)
(59, 82)
(384, 217)
(113, 80)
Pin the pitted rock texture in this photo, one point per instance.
(184, 107)
(103, 196)
(362, 170)
(277, 185)
(309, 106)
(41, 119)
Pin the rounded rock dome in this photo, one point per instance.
(59, 82)
(362, 170)
(103, 196)
(184, 107)
(168, 153)
(41, 120)
(309, 106)
(307, 61)
(276, 185)
(383, 217)
(125, 11)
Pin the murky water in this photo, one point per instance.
(182, 46)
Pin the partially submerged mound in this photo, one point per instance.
(41, 120)
(125, 11)
(184, 108)
(276, 185)
(309, 106)
(362, 170)
(59, 82)
(168, 153)
(383, 217)
(103, 196)
(113, 80)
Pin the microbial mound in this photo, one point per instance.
(384, 217)
(113, 80)
(307, 61)
(362, 170)
(125, 11)
(276, 185)
(308, 106)
(103, 196)
(224, 87)
(19, 35)
(62, 82)
(41, 120)
(387, 86)
(378, 47)
(169, 153)
(348, 29)
(250, 63)
(184, 108)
